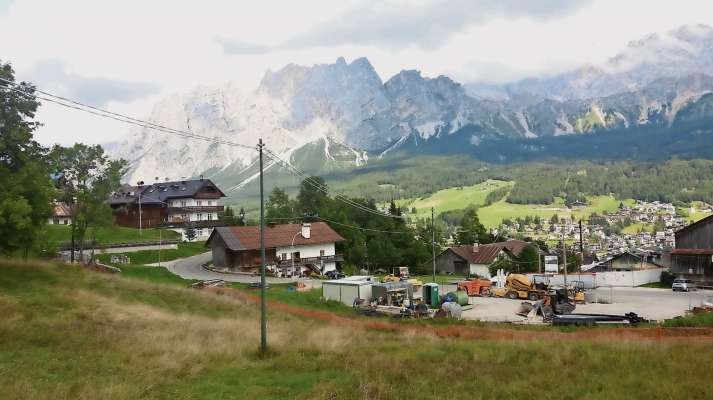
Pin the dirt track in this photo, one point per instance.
(489, 333)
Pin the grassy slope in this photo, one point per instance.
(139, 259)
(67, 333)
(492, 215)
(108, 235)
(454, 198)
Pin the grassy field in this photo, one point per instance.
(109, 235)
(144, 257)
(67, 333)
(453, 198)
(492, 215)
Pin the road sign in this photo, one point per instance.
(551, 264)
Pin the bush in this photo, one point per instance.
(667, 278)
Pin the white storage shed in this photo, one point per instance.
(348, 289)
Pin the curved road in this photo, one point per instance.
(192, 268)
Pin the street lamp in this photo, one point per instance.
(139, 184)
(292, 249)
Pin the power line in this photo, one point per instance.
(79, 106)
(76, 105)
(363, 229)
(325, 190)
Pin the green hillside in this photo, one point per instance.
(68, 333)
(492, 215)
(456, 198)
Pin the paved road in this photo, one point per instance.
(192, 268)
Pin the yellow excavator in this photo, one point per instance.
(519, 286)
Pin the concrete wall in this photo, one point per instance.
(482, 270)
(628, 278)
(612, 278)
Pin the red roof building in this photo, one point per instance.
(291, 249)
(476, 259)
(61, 214)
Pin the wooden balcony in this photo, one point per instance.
(191, 209)
(310, 260)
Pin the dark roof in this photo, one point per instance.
(695, 224)
(487, 253)
(160, 192)
(693, 252)
(639, 257)
(239, 238)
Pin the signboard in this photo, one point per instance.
(551, 264)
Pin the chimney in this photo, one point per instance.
(306, 231)
(475, 247)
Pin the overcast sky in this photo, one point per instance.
(125, 55)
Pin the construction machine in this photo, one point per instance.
(475, 287)
(518, 286)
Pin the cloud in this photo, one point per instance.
(397, 25)
(53, 76)
(237, 47)
(5, 6)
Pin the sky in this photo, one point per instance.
(127, 55)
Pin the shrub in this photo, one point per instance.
(667, 278)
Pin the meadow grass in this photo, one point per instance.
(453, 198)
(67, 333)
(144, 257)
(110, 234)
(494, 214)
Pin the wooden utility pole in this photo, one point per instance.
(263, 304)
(564, 257)
(433, 245)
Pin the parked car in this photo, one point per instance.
(258, 285)
(334, 274)
(684, 285)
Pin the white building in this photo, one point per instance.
(61, 214)
(291, 249)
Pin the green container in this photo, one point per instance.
(430, 295)
(462, 297)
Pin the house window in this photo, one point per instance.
(199, 232)
(200, 203)
(183, 203)
(199, 216)
(210, 216)
(321, 253)
(56, 221)
(65, 221)
(284, 256)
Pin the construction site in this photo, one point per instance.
(536, 299)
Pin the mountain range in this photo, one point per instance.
(341, 115)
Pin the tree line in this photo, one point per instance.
(33, 177)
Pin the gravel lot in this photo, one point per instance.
(652, 304)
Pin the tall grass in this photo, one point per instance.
(66, 333)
